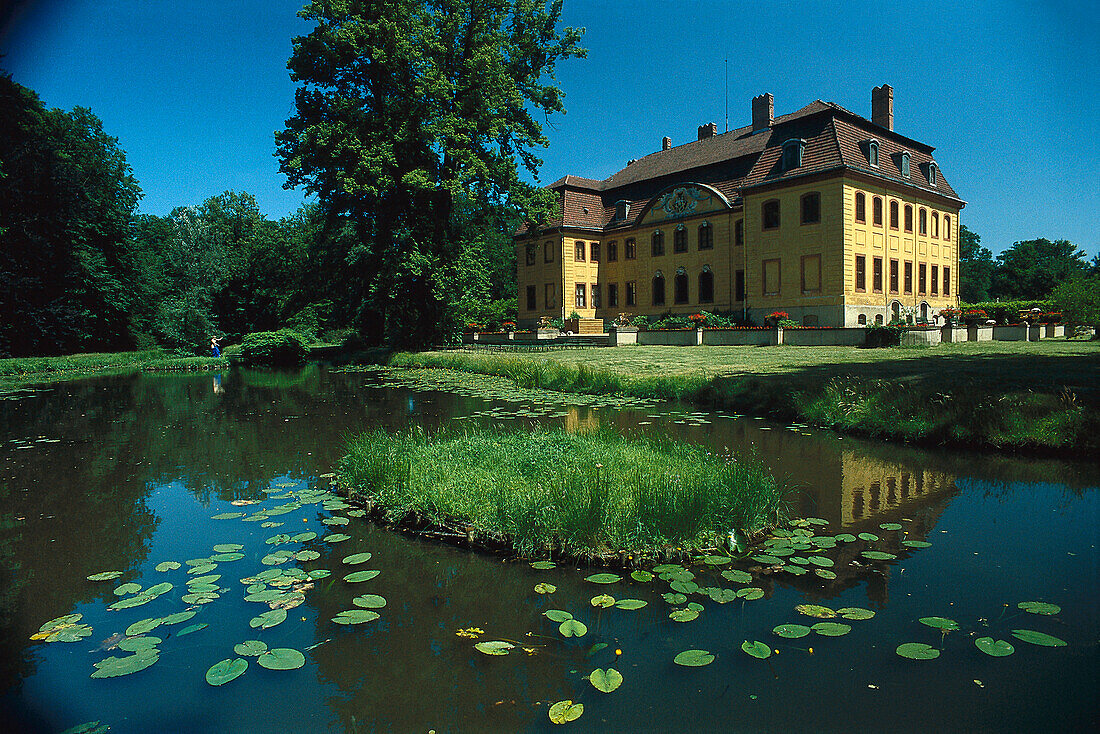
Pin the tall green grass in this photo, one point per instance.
(578, 493)
(22, 370)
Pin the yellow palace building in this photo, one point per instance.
(828, 216)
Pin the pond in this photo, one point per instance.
(223, 475)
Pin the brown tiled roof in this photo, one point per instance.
(738, 159)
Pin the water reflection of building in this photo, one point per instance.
(870, 488)
(580, 419)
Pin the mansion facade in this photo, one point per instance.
(835, 219)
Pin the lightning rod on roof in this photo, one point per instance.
(726, 68)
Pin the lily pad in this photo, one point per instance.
(227, 515)
(494, 647)
(563, 712)
(855, 613)
(369, 601)
(545, 588)
(795, 570)
(941, 623)
(356, 558)
(229, 669)
(269, 618)
(355, 616)
(336, 538)
(227, 557)
(757, 649)
(716, 560)
(869, 537)
(137, 644)
(105, 576)
(304, 537)
(142, 626)
(557, 615)
(1039, 607)
(192, 628)
(683, 615)
(815, 610)
(543, 565)
(917, 651)
(573, 628)
(250, 648)
(603, 600)
(674, 598)
(629, 604)
(642, 576)
(61, 621)
(750, 593)
(307, 555)
(130, 588)
(228, 547)
(844, 537)
(994, 648)
(831, 629)
(890, 526)
(281, 658)
(821, 561)
(878, 555)
(694, 658)
(916, 544)
(603, 578)
(358, 576)
(684, 587)
(605, 680)
(825, 573)
(113, 667)
(791, 631)
(1038, 638)
(69, 633)
(768, 559)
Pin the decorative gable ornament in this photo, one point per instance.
(681, 201)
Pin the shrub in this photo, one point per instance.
(1006, 312)
(283, 348)
(883, 336)
(1080, 300)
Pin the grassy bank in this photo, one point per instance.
(581, 494)
(1021, 396)
(23, 370)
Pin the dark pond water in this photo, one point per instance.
(126, 473)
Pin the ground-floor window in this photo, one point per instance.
(876, 275)
(893, 276)
(908, 276)
(922, 279)
(548, 292)
(658, 289)
(739, 285)
(811, 273)
(580, 299)
(706, 285)
(771, 277)
(531, 298)
(595, 295)
(631, 293)
(946, 281)
(680, 286)
(861, 273)
(613, 295)
(935, 281)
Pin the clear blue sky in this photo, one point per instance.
(1007, 91)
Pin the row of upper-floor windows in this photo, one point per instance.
(589, 295)
(809, 212)
(901, 218)
(592, 251)
(901, 277)
(931, 171)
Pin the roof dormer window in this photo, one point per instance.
(872, 153)
(932, 173)
(792, 153)
(622, 210)
(905, 164)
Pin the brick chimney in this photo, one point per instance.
(882, 106)
(666, 143)
(763, 112)
(708, 131)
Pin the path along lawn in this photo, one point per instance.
(1006, 395)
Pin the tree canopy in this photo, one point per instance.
(413, 117)
(1033, 268)
(975, 267)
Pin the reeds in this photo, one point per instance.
(591, 493)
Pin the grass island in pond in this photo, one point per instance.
(577, 493)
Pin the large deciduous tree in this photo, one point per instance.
(1033, 268)
(975, 266)
(69, 277)
(413, 117)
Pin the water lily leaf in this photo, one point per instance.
(318, 574)
(603, 578)
(167, 566)
(105, 576)
(281, 658)
(278, 539)
(878, 555)
(737, 576)
(916, 544)
(750, 593)
(791, 631)
(269, 618)
(855, 613)
(667, 568)
(630, 604)
(642, 576)
(684, 587)
(1039, 607)
(716, 560)
(563, 712)
(369, 601)
(890, 526)
(815, 610)
(941, 623)
(198, 598)
(557, 615)
(1038, 638)
(800, 560)
(307, 555)
(192, 628)
(816, 521)
(573, 628)
(355, 558)
(355, 616)
(603, 600)
(227, 557)
(674, 598)
(336, 521)
(494, 647)
(831, 629)
(336, 538)
(543, 565)
(917, 651)
(821, 561)
(227, 515)
(795, 570)
(694, 658)
(208, 579)
(250, 648)
(757, 649)
(994, 648)
(605, 680)
(69, 633)
(137, 644)
(825, 573)
(869, 537)
(130, 588)
(229, 669)
(264, 596)
(844, 537)
(61, 621)
(203, 569)
(228, 547)
(142, 626)
(683, 615)
(545, 588)
(304, 537)
(768, 559)
(179, 617)
(113, 667)
(202, 588)
(720, 595)
(358, 576)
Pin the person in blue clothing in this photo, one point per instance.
(215, 350)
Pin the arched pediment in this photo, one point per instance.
(683, 200)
